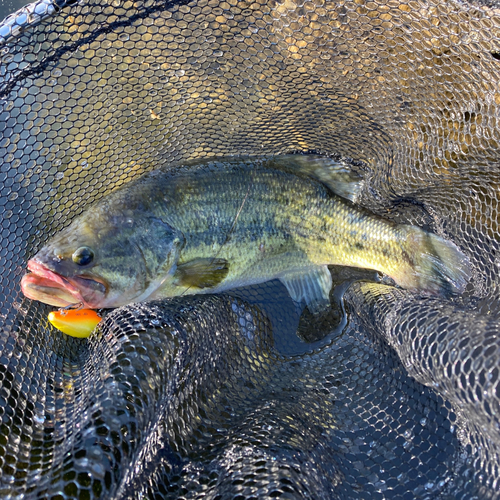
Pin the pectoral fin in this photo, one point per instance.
(312, 287)
(201, 273)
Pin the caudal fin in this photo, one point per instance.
(435, 265)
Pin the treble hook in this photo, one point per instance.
(71, 307)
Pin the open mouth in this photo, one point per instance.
(48, 287)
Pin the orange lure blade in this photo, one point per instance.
(76, 323)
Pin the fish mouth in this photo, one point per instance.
(51, 288)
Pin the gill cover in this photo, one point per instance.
(160, 245)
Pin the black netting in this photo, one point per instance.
(391, 395)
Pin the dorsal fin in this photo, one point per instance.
(337, 176)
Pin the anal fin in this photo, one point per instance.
(311, 286)
(201, 273)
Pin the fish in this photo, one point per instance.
(208, 226)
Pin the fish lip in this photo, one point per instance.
(68, 284)
(43, 271)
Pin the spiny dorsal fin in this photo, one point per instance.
(336, 175)
(201, 273)
(312, 287)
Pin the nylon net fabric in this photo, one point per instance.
(393, 395)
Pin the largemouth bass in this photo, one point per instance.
(216, 225)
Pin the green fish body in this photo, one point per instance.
(220, 224)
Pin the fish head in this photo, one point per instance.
(103, 260)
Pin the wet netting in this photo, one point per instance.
(393, 395)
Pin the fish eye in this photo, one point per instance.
(83, 256)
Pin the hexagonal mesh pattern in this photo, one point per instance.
(217, 397)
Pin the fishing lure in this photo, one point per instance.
(75, 322)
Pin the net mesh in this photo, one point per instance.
(394, 395)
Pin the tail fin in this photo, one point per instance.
(436, 266)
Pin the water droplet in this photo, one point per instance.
(82, 462)
(97, 470)
(408, 434)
